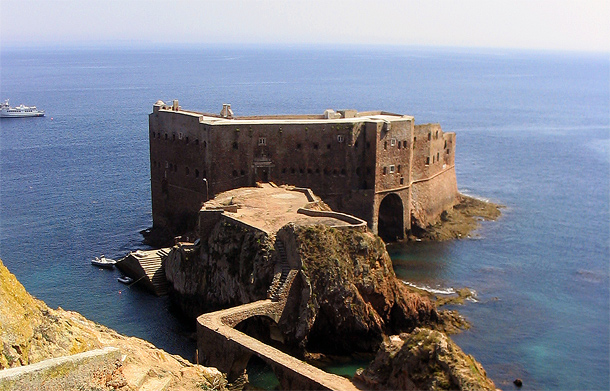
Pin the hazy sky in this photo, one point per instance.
(544, 24)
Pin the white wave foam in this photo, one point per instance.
(447, 291)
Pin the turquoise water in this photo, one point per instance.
(533, 133)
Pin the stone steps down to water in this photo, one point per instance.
(277, 286)
(146, 268)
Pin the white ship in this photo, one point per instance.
(7, 111)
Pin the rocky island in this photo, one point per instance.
(280, 267)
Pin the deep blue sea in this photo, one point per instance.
(533, 133)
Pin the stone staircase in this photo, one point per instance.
(279, 281)
(147, 266)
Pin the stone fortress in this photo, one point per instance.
(379, 166)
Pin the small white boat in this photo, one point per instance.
(125, 280)
(103, 262)
(6, 111)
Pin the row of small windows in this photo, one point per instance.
(436, 158)
(392, 169)
(435, 135)
(394, 143)
(174, 168)
(173, 138)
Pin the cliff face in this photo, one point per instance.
(31, 332)
(350, 296)
(231, 267)
(424, 360)
(345, 297)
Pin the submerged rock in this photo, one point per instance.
(424, 360)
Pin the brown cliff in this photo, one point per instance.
(350, 297)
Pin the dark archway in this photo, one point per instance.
(390, 221)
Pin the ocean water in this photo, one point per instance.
(533, 133)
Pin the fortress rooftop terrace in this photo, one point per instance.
(269, 208)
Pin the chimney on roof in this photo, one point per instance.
(175, 106)
(226, 111)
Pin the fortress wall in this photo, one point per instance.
(431, 197)
(338, 160)
(394, 154)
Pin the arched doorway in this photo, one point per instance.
(390, 222)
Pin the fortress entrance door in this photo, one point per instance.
(390, 224)
(262, 169)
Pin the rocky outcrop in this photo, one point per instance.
(424, 360)
(350, 296)
(231, 267)
(31, 332)
(457, 222)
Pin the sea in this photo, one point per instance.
(533, 134)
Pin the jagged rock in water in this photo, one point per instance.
(424, 360)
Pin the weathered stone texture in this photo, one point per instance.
(352, 160)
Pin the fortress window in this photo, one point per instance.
(235, 146)
(196, 141)
(205, 144)
(438, 156)
(343, 172)
(174, 137)
(402, 181)
(429, 136)
(171, 166)
(262, 141)
(317, 170)
(436, 136)
(356, 144)
(315, 145)
(242, 172)
(335, 172)
(327, 146)
(393, 142)
(166, 136)
(298, 145)
(399, 144)
(180, 136)
(196, 173)
(301, 170)
(368, 144)
(427, 161)
(186, 139)
(309, 171)
(392, 169)
(445, 144)
(340, 138)
(283, 170)
(292, 170)
(234, 173)
(448, 152)
(186, 170)
(385, 170)
(385, 145)
(404, 144)
(398, 168)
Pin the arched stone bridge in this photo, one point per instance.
(229, 350)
